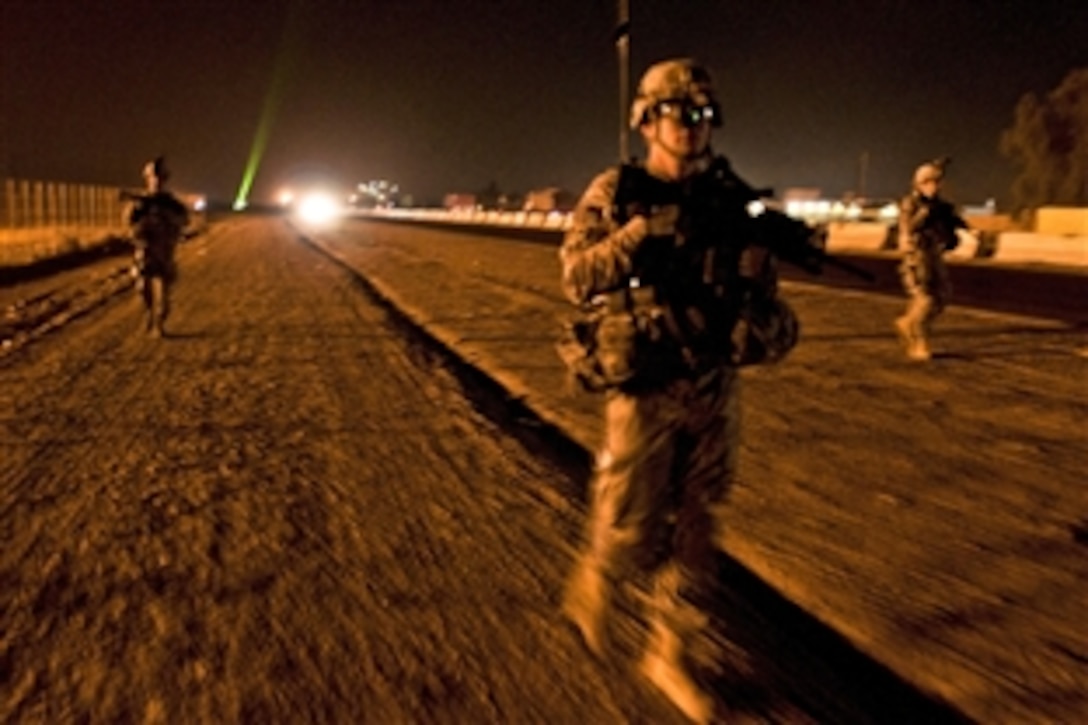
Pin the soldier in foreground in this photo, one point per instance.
(158, 220)
(927, 229)
(673, 298)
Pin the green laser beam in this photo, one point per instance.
(290, 44)
(260, 142)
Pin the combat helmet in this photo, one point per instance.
(156, 167)
(672, 80)
(929, 171)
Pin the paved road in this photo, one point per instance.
(289, 511)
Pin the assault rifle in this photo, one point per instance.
(795, 242)
(131, 195)
(721, 203)
(140, 199)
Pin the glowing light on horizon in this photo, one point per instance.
(318, 208)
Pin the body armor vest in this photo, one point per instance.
(695, 274)
(697, 299)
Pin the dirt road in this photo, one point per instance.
(287, 511)
(273, 513)
(933, 514)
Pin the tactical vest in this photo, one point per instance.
(695, 273)
(939, 229)
(158, 219)
(688, 306)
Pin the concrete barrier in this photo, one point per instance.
(1043, 248)
(969, 246)
(856, 236)
(1062, 221)
(842, 236)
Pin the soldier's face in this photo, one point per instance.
(929, 187)
(679, 139)
(683, 130)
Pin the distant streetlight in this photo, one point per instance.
(863, 172)
(623, 41)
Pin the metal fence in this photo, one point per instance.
(26, 204)
(42, 219)
(45, 219)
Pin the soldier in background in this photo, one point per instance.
(158, 220)
(927, 229)
(674, 301)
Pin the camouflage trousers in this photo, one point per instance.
(155, 275)
(925, 280)
(154, 292)
(658, 491)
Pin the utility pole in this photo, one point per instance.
(863, 171)
(623, 42)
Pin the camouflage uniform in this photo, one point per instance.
(158, 220)
(927, 229)
(671, 433)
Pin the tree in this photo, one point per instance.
(1048, 141)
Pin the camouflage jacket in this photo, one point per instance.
(604, 247)
(927, 227)
(596, 254)
(689, 319)
(158, 222)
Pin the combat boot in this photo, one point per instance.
(914, 342)
(906, 333)
(586, 602)
(152, 325)
(663, 665)
(919, 350)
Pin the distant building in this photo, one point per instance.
(455, 202)
(801, 193)
(378, 194)
(549, 199)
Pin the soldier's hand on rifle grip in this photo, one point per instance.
(661, 220)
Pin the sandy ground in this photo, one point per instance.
(290, 511)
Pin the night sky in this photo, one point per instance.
(451, 95)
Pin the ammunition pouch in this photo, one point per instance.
(765, 333)
(618, 342)
(626, 340)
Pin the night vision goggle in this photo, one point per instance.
(687, 113)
